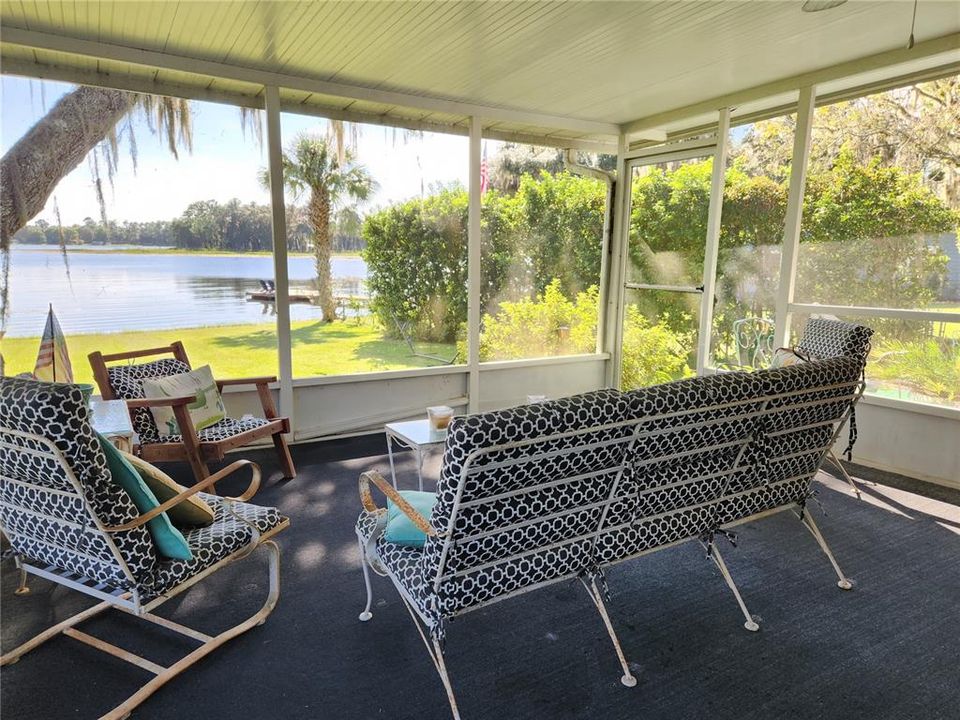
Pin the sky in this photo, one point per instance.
(224, 163)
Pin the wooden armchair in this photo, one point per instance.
(125, 382)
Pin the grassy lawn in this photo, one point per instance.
(242, 350)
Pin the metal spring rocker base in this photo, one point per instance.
(162, 674)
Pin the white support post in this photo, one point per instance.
(474, 268)
(714, 217)
(612, 324)
(280, 274)
(791, 232)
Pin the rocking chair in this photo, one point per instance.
(69, 523)
(125, 382)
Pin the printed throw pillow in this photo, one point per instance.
(785, 357)
(192, 512)
(205, 411)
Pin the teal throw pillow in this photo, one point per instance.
(400, 529)
(169, 541)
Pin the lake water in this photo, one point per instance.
(109, 291)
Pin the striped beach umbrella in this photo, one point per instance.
(53, 360)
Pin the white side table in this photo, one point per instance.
(416, 435)
(111, 418)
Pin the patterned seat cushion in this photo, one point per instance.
(223, 430)
(42, 523)
(235, 525)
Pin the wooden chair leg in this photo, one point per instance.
(199, 467)
(283, 453)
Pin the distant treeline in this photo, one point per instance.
(204, 225)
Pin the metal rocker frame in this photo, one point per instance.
(129, 601)
(589, 580)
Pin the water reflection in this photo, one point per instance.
(110, 292)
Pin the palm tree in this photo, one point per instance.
(330, 172)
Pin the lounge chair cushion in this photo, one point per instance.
(58, 412)
(192, 512)
(170, 543)
(825, 338)
(127, 384)
(236, 525)
(223, 430)
(400, 529)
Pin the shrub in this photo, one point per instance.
(652, 353)
(547, 326)
(930, 367)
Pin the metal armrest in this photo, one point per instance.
(193, 490)
(406, 508)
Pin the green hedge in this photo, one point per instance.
(862, 236)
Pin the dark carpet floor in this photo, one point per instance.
(887, 649)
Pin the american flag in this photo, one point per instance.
(53, 361)
(484, 173)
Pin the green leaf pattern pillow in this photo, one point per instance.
(206, 410)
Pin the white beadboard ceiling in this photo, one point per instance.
(567, 70)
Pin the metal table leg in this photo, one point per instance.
(393, 472)
(419, 453)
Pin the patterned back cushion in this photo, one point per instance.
(793, 434)
(682, 461)
(548, 500)
(49, 526)
(827, 338)
(127, 384)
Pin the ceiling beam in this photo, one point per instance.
(945, 44)
(149, 58)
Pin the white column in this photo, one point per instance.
(280, 276)
(612, 325)
(714, 216)
(791, 232)
(473, 268)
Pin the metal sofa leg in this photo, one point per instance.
(436, 655)
(366, 614)
(628, 678)
(844, 583)
(750, 624)
(831, 456)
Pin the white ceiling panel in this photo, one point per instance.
(607, 62)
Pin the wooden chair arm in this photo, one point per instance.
(193, 490)
(262, 380)
(160, 402)
(372, 476)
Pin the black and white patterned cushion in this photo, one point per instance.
(223, 430)
(45, 525)
(127, 384)
(235, 525)
(825, 338)
(707, 451)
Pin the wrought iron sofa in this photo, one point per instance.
(542, 493)
(68, 522)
